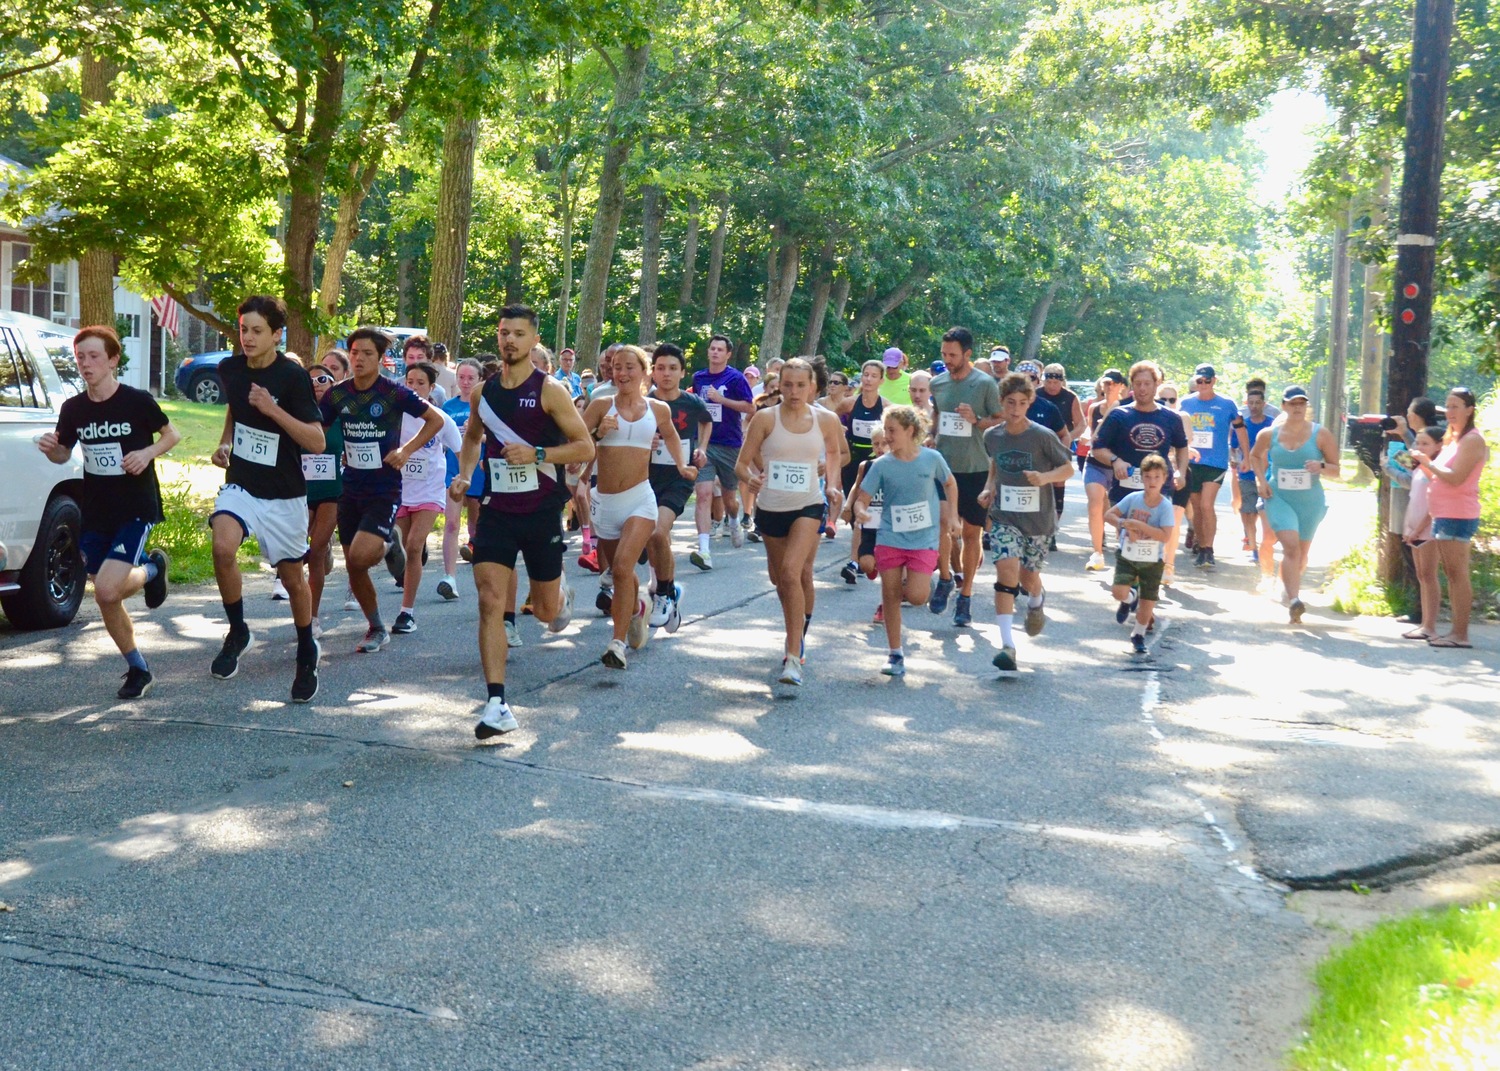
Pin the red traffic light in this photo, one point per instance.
(1411, 290)
(1407, 316)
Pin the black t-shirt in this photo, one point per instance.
(688, 411)
(266, 461)
(1064, 401)
(127, 421)
(1045, 412)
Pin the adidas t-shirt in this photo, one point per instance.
(125, 422)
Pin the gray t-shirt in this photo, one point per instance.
(1030, 510)
(1133, 507)
(963, 449)
(910, 512)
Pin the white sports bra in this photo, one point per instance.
(638, 433)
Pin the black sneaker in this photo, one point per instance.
(1052, 543)
(395, 561)
(1200, 559)
(227, 662)
(405, 623)
(1208, 557)
(604, 601)
(753, 535)
(850, 573)
(1138, 642)
(156, 590)
(137, 683)
(305, 683)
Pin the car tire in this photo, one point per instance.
(53, 578)
(205, 389)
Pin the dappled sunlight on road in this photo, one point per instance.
(608, 971)
(677, 738)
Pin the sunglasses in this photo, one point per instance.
(1054, 375)
(322, 379)
(1167, 398)
(838, 382)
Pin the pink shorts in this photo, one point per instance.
(917, 561)
(428, 507)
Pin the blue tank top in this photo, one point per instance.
(517, 416)
(1280, 458)
(859, 432)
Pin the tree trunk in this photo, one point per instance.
(716, 262)
(96, 267)
(403, 291)
(689, 258)
(618, 140)
(565, 290)
(450, 242)
(1371, 341)
(840, 298)
(782, 262)
(1036, 323)
(1338, 332)
(515, 269)
(876, 310)
(345, 230)
(822, 290)
(307, 155)
(653, 208)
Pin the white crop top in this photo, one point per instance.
(637, 433)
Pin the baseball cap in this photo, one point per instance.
(1114, 375)
(938, 368)
(892, 357)
(1204, 371)
(1029, 368)
(1293, 392)
(752, 372)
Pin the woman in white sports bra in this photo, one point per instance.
(622, 504)
(787, 448)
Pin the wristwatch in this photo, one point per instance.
(541, 454)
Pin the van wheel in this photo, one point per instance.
(53, 578)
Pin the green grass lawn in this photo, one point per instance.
(200, 425)
(188, 482)
(1420, 993)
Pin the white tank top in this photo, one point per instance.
(631, 432)
(790, 460)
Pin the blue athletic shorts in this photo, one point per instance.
(127, 544)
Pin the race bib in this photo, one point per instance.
(874, 513)
(953, 424)
(1133, 481)
(912, 518)
(864, 429)
(715, 411)
(1144, 551)
(660, 455)
(255, 445)
(103, 459)
(415, 468)
(791, 476)
(1294, 479)
(1203, 439)
(511, 479)
(317, 467)
(1020, 499)
(365, 456)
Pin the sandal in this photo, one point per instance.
(1446, 641)
(1417, 634)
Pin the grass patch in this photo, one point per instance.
(184, 534)
(201, 427)
(1420, 993)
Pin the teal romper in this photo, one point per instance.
(1289, 508)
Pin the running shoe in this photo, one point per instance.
(1209, 560)
(395, 560)
(791, 671)
(406, 622)
(1168, 577)
(702, 559)
(639, 631)
(527, 610)
(495, 720)
(138, 682)
(1245, 543)
(1036, 616)
(754, 536)
(895, 666)
(962, 616)
(879, 615)
(736, 535)
(1125, 609)
(156, 588)
(659, 605)
(305, 683)
(513, 635)
(1255, 556)
(317, 628)
(278, 591)
(940, 592)
(1096, 562)
(984, 540)
(614, 655)
(227, 662)
(604, 601)
(564, 613)
(1052, 543)
(717, 531)
(466, 551)
(674, 609)
(589, 560)
(350, 602)
(1190, 539)
(850, 573)
(448, 588)
(375, 639)
(745, 521)
(1005, 660)
(1138, 642)
(1296, 609)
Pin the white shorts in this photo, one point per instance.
(610, 512)
(278, 524)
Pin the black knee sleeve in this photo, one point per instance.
(1013, 590)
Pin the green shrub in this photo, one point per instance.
(185, 536)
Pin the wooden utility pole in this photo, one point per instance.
(1338, 331)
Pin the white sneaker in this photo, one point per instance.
(496, 719)
(659, 611)
(317, 628)
(1096, 562)
(718, 530)
(791, 671)
(614, 655)
(278, 593)
(639, 631)
(350, 602)
(674, 609)
(448, 588)
(736, 533)
(512, 635)
(564, 606)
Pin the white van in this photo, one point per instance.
(41, 571)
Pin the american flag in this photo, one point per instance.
(168, 314)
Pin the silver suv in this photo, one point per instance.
(41, 572)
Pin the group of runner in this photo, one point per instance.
(939, 469)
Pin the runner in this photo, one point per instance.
(368, 408)
(783, 449)
(1257, 417)
(869, 528)
(1290, 460)
(726, 393)
(920, 389)
(424, 480)
(529, 427)
(967, 404)
(1055, 390)
(894, 387)
(623, 504)
(905, 481)
(861, 414)
(672, 489)
(1024, 457)
(1167, 396)
(459, 517)
(271, 418)
(122, 432)
(1215, 421)
(1098, 478)
(324, 473)
(1144, 519)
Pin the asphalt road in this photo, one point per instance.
(686, 866)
